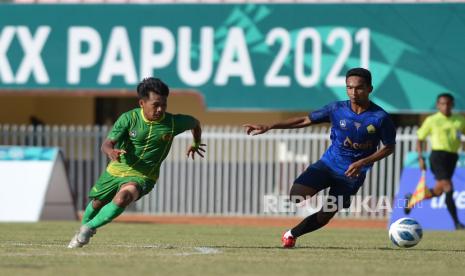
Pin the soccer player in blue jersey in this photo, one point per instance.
(357, 127)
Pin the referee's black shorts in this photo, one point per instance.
(443, 164)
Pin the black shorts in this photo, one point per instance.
(319, 177)
(443, 164)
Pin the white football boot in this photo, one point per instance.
(82, 237)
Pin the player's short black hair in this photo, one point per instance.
(445, 95)
(360, 72)
(154, 85)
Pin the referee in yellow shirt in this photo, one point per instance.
(445, 130)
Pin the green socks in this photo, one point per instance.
(106, 214)
(89, 213)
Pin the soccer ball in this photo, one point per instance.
(405, 232)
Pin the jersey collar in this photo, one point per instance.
(349, 106)
(148, 121)
(444, 116)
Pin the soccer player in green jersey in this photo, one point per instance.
(137, 145)
(445, 129)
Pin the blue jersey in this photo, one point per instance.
(353, 136)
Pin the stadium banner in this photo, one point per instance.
(34, 185)
(239, 57)
(432, 214)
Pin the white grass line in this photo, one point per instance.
(18, 254)
(23, 244)
(75, 252)
(199, 251)
(141, 246)
(207, 250)
(82, 253)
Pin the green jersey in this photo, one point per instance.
(445, 131)
(146, 143)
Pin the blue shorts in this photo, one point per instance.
(319, 177)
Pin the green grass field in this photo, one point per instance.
(152, 249)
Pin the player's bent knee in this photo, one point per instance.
(98, 204)
(123, 198)
(447, 186)
(437, 191)
(299, 193)
(126, 195)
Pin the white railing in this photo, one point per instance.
(236, 174)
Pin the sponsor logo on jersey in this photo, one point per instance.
(357, 146)
(371, 129)
(343, 124)
(132, 133)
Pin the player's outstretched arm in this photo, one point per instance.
(354, 168)
(296, 122)
(110, 151)
(197, 146)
